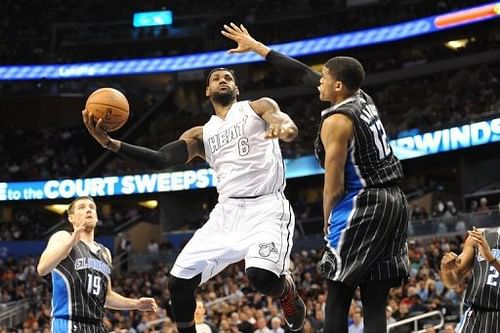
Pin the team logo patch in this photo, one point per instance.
(265, 249)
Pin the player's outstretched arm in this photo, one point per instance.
(116, 301)
(187, 147)
(279, 124)
(288, 67)
(58, 248)
(173, 153)
(454, 268)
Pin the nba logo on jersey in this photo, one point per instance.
(80, 263)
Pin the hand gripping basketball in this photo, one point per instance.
(95, 128)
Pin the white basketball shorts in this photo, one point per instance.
(258, 230)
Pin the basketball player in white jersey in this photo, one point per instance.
(252, 220)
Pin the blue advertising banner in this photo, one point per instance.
(448, 139)
(108, 186)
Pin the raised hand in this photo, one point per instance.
(245, 41)
(77, 233)
(481, 244)
(94, 126)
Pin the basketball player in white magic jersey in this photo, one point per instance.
(252, 220)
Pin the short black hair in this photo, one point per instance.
(220, 69)
(347, 70)
(71, 206)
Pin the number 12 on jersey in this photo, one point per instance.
(380, 138)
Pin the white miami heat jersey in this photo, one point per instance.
(245, 162)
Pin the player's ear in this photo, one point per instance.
(338, 85)
(237, 91)
(71, 218)
(207, 92)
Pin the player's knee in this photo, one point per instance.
(180, 287)
(264, 281)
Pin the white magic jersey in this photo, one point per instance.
(245, 163)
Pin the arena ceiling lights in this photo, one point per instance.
(457, 44)
(151, 204)
(305, 47)
(59, 209)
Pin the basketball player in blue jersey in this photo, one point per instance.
(252, 219)
(365, 212)
(480, 255)
(81, 275)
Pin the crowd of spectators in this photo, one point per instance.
(421, 104)
(35, 222)
(233, 306)
(415, 104)
(70, 31)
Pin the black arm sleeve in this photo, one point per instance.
(293, 69)
(171, 154)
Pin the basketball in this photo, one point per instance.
(111, 106)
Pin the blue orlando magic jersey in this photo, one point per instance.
(80, 283)
(370, 160)
(484, 288)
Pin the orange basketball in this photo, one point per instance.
(111, 106)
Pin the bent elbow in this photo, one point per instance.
(295, 132)
(41, 271)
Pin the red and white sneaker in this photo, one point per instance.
(293, 306)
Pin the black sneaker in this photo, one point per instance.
(293, 306)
